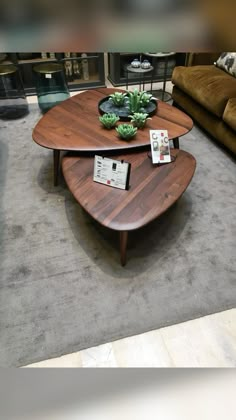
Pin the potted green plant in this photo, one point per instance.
(133, 101)
(145, 98)
(109, 120)
(126, 131)
(139, 119)
(138, 101)
(118, 98)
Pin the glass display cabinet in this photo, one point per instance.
(118, 62)
(82, 70)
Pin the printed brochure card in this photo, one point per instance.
(160, 146)
(114, 173)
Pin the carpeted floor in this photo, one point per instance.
(62, 288)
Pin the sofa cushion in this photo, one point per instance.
(210, 86)
(227, 62)
(229, 115)
(213, 125)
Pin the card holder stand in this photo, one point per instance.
(128, 174)
(107, 174)
(160, 147)
(173, 158)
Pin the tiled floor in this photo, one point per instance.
(204, 342)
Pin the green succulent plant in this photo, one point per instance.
(139, 119)
(138, 101)
(109, 120)
(134, 103)
(126, 131)
(118, 98)
(146, 98)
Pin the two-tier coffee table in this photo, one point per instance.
(153, 189)
(74, 126)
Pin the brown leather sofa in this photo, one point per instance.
(208, 95)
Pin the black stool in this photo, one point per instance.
(143, 76)
(157, 57)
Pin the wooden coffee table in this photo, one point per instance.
(153, 189)
(73, 125)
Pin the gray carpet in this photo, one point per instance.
(62, 288)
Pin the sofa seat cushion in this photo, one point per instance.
(210, 86)
(229, 115)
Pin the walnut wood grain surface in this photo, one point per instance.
(73, 125)
(153, 189)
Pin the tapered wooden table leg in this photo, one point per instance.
(176, 143)
(56, 162)
(123, 246)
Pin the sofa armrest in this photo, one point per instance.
(229, 115)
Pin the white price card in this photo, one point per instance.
(160, 146)
(114, 173)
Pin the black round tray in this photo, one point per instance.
(105, 106)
